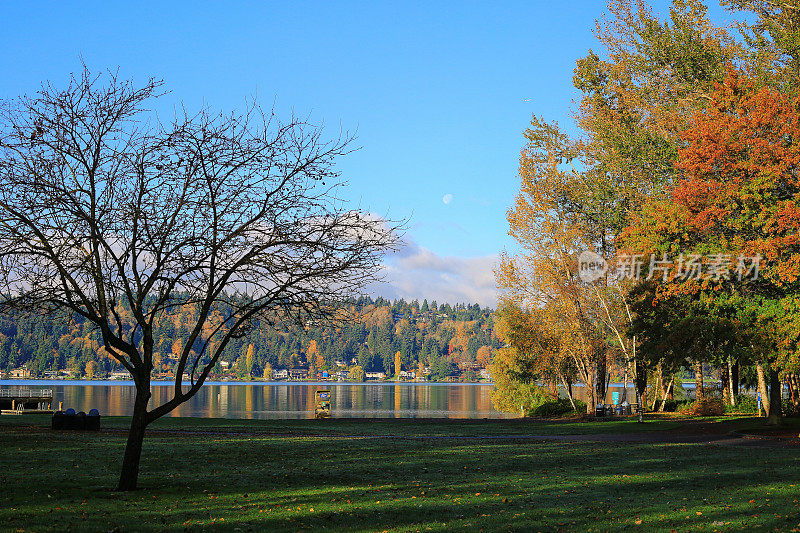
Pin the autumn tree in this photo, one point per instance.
(559, 213)
(738, 199)
(532, 355)
(114, 216)
(770, 30)
(398, 364)
(91, 369)
(484, 356)
(248, 361)
(356, 374)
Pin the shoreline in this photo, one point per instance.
(164, 383)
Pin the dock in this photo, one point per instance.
(17, 401)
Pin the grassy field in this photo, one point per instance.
(406, 475)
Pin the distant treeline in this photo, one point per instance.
(444, 338)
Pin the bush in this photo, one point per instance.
(745, 404)
(514, 397)
(790, 409)
(705, 407)
(673, 405)
(556, 408)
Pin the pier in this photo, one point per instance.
(19, 401)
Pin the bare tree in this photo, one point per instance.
(110, 214)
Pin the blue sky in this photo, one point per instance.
(439, 93)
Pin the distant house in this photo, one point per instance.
(374, 375)
(119, 375)
(296, 374)
(280, 374)
(342, 375)
(485, 374)
(341, 364)
(20, 373)
(50, 374)
(224, 365)
(407, 375)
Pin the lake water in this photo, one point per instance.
(282, 399)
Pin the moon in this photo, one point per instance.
(447, 198)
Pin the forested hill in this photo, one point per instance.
(447, 339)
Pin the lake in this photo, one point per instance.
(292, 400)
(283, 399)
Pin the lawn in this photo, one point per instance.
(406, 475)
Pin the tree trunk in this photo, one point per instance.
(735, 379)
(775, 387)
(667, 395)
(732, 392)
(133, 449)
(625, 385)
(591, 401)
(723, 382)
(568, 389)
(762, 388)
(659, 385)
(640, 382)
(600, 379)
(698, 381)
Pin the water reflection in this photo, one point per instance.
(284, 400)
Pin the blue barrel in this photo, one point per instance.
(80, 421)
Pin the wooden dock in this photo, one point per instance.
(17, 401)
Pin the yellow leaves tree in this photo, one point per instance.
(532, 355)
(557, 215)
(510, 394)
(484, 356)
(315, 359)
(91, 369)
(398, 364)
(248, 360)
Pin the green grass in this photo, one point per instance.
(219, 475)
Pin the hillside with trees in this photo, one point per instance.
(443, 341)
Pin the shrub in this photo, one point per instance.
(745, 404)
(673, 405)
(512, 396)
(790, 409)
(557, 407)
(705, 407)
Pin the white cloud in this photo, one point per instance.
(447, 198)
(416, 272)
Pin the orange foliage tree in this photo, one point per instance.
(738, 198)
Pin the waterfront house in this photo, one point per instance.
(297, 374)
(20, 373)
(280, 373)
(375, 375)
